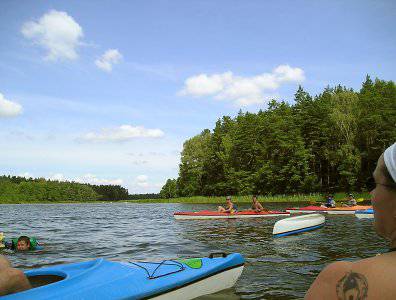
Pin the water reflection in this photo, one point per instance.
(276, 268)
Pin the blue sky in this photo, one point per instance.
(108, 91)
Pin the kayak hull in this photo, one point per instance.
(307, 210)
(102, 279)
(364, 214)
(331, 211)
(299, 224)
(213, 284)
(206, 214)
(346, 210)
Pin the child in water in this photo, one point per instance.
(23, 243)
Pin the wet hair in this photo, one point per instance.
(24, 238)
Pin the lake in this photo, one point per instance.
(276, 268)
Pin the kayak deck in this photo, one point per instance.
(207, 214)
(331, 211)
(136, 280)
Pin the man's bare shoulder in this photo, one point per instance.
(340, 280)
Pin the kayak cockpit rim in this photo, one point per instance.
(40, 278)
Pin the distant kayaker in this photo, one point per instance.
(256, 205)
(371, 278)
(230, 207)
(330, 201)
(11, 279)
(351, 200)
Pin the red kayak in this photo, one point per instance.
(208, 214)
(332, 211)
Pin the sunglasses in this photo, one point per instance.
(371, 184)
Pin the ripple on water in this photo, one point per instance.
(276, 268)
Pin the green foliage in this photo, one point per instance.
(312, 198)
(19, 189)
(326, 143)
(169, 190)
(192, 164)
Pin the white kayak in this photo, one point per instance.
(365, 214)
(298, 224)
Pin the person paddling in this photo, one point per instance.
(230, 207)
(371, 278)
(351, 201)
(256, 205)
(330, 203)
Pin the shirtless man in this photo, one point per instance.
(256, 206)
(11, 280)
(230, 207)
(371, 278)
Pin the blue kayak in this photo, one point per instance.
(103, 279)
(365, 211)
(365, 214)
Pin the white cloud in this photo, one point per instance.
(142, 181)
(58, 177)
(139, 162)
(285, 73)
(243, 91)
(86, 178)
(108, 59)
(57, 32)
(141, 184)
(122, 133)
(93, 179)
(142, 178)
(9, 108)
(26, 175)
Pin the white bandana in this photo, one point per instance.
(390, 160)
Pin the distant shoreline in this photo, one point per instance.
(299, 198)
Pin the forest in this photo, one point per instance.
(325, 143)
(21, 189)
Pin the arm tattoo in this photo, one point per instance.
(353, 286)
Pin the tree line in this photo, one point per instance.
(324, 143)
(16, 188)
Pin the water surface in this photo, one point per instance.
(276, 268)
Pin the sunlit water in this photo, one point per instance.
(276, 268)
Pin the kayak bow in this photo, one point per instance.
(102, 279)
(365, 214)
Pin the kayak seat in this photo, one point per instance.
(40, 280)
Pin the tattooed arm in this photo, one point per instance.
(338, 281)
